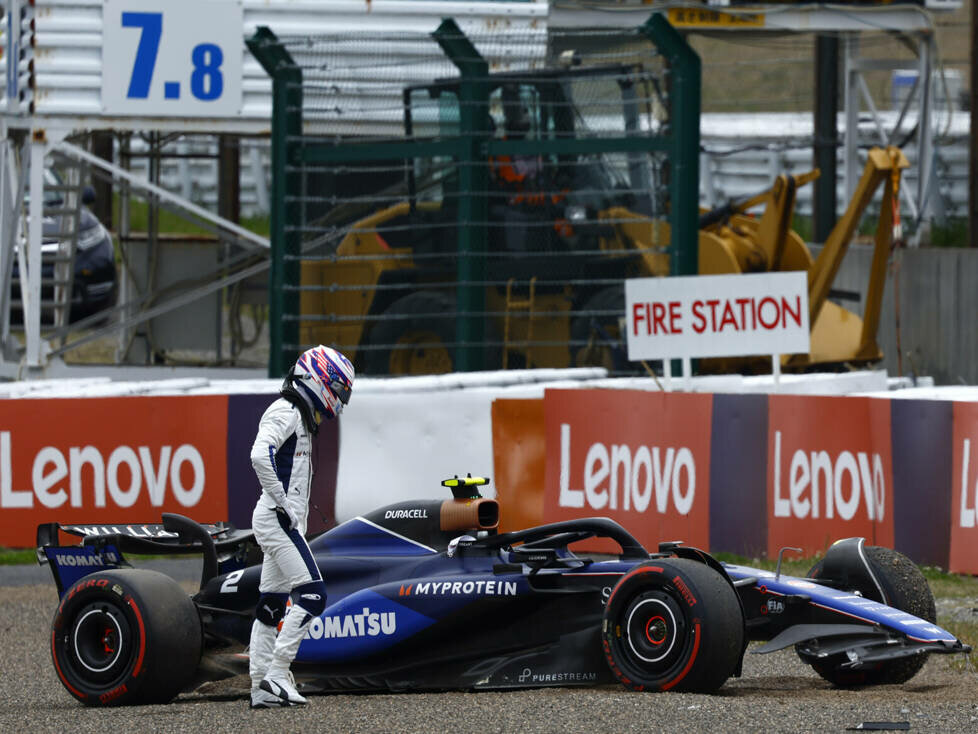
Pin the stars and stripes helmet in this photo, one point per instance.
(326, 377)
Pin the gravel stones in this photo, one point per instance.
(777, 693)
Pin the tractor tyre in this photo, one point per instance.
(414, 336)
(597, 334)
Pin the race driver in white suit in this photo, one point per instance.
(317, 386)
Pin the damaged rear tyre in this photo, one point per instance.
(125, 637)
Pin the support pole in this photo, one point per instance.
(826, 133)
(925, 132)
(473, 184)
(283, 306)
(973, 135)
(684, 129)
(32, 293)
(851, 49)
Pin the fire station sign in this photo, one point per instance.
(717, 315)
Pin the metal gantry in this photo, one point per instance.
(53, 90)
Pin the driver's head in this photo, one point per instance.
(325, 378)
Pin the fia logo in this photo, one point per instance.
(775, 606)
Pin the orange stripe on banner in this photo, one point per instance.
(519, 457)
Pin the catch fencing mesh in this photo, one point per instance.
(475, 198)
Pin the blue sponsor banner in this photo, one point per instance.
(244, 412)
(357, 626)
(72, 563)
(738, 474)
(921, 438)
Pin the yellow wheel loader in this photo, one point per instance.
(559, 249)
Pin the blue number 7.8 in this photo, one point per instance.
(149, 46)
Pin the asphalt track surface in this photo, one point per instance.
(776, 693)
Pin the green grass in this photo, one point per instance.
(967, 632)
(950, 585)
(171, 223)
(17, 556)
(952, 234)
(944, 585)
(23, 556)
(792, 565)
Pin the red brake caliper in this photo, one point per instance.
(106, 638)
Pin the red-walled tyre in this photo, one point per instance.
(673, 624)
(129, 636)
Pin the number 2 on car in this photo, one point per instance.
(179, 58)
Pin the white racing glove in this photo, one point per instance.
(287, 512)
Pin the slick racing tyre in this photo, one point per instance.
(673, 624)
(906, 589)
(125, 637)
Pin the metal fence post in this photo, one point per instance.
(684, 123)
(283, 301)
(473, 180)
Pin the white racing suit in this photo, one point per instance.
(282, 458)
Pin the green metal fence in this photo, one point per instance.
(458, 201)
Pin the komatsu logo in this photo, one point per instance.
(71, 560)
(365, 624)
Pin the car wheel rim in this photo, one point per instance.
(653, 630)
(98, 643)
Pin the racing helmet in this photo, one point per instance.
(325, 377)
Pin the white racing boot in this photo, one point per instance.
(259, 658)
(282, 688)
(278, 679)
(261, 699)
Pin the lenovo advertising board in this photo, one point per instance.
(110, 460)
(964, 494)
(641, 458)
(830, 472)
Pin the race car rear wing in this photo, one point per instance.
(221, 545)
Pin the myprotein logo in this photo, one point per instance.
(365, 624)
(84, 476)
(633, 478)
(459, 588)
(829, 485)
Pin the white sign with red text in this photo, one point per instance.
(717, 315)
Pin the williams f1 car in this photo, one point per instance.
(429, 595)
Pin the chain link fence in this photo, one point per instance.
(475, 199)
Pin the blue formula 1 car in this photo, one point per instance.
(428, 595)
